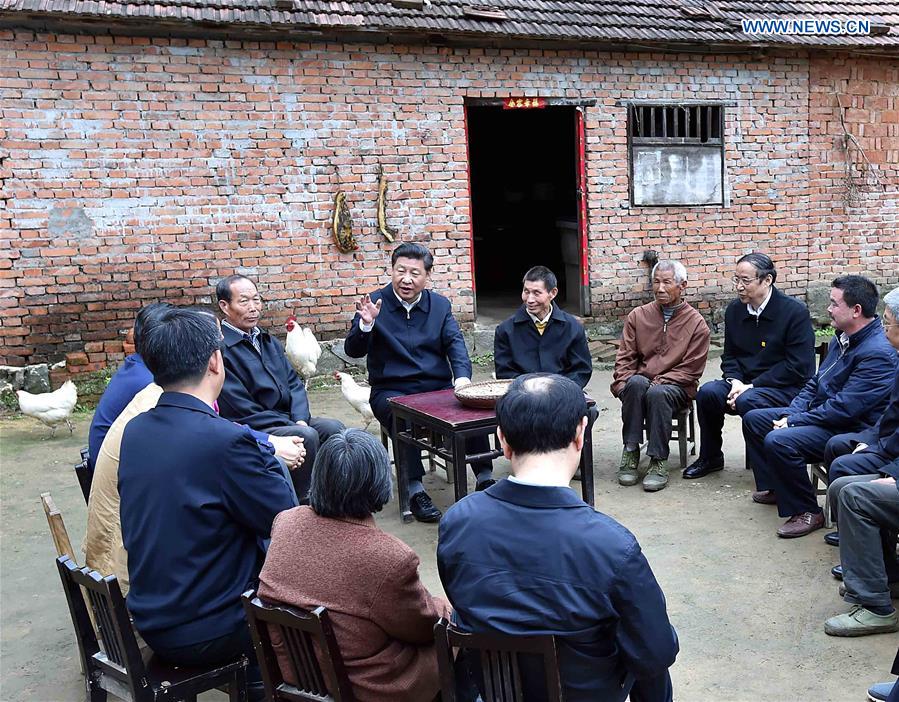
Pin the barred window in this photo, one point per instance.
(676, 153)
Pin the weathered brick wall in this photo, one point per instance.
(855, 179)
(136, 169)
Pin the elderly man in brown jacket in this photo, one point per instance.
(662, 355)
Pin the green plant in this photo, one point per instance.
(484, 360)
(825, 332)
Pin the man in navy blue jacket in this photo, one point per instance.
(848, 393)
(131, 377)
(528, 557)
(541, 337)
(413, 344)
(262, 390)
(197, 497)
(862, 453)
(769, 355)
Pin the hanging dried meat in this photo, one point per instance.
(342, 225)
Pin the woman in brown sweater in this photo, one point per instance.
(331, 553)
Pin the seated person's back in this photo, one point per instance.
(197, 496)
(332, 554)
(528, 557)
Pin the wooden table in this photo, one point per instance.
(436, 422)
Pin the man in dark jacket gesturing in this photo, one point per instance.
(528, 556)
(413, 344)
(262, 390)
(848, 393)
(769, 354)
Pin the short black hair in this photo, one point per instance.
(763, 265)
(541, 273)
(858, 290)
(540, 413)
(177, 345)
(412, 250)
(351, 476)
(144, 318)
(223, 287)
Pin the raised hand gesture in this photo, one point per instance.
(368, 310)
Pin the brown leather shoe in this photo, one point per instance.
(765, 497)
(801, 524)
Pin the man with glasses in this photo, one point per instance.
(848, 393)
(262, 390)
(769, 354)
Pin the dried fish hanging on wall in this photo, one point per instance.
(388, 232)
(342, 225)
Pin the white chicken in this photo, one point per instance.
(302, 348)
(357, 396)
(52, 408)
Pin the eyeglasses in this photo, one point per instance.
(745, 282)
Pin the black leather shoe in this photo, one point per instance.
(484, 484)
(423, 509)
(701, 468)
(837, 571)
(832, 539)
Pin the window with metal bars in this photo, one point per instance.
(676, 153)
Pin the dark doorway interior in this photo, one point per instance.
(524, 205)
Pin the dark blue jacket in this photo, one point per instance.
(883, 437)
(131, 377)
(775, 349)
(418, 352)
(851, 387)
(520, 559)
(261, 390)
(518, 347)
(197, 494)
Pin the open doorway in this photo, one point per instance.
(524, 195)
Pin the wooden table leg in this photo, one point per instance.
(402, 472)
(460, 477)
(587, 466)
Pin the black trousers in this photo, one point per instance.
(320, 429)
(654, 405)
(711, 406)
(411, 455)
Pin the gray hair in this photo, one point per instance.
(680, 272)
(351, 476)
(891, 300)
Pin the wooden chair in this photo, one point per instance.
(683, 429)
(818, 475)
(84, 475)
(118, 666)
(499, 663)
(309, 647)
(57, 527)
(433, 461)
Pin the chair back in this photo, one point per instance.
(500, 666)
(309, 647)
(57, 527)
(83, 473)
(119, 660)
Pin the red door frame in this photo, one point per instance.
(580, 185)
(581, 190)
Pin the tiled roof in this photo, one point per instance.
(604, 21)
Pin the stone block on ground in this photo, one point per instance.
(37, 379)
(336, 348)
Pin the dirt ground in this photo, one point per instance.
(749, 608)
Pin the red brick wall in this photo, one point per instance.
(136, 169)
